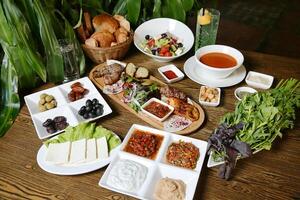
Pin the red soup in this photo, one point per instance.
(218, 60)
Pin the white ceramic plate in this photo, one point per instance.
(158, 26)
(72, 169)
(64, 106)
(158, 168)
(233, 79)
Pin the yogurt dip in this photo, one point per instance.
(127, 175)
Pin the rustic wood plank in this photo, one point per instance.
(271, 174)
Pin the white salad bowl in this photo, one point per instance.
(158, 26)
(213, 72)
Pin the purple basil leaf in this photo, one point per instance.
(242, 147)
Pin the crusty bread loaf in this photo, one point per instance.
(104, 38)
(105, 22)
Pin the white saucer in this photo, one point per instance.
(190, 70)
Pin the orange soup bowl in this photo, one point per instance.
(218, 61)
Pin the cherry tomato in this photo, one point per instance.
(164, 49)
(151, 42)
(168, 54)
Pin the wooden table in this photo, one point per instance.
(271, 174)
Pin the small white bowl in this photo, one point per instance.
(154, 116)
(243, 89)
(158, 26)
(213, 72)
(205, 103)
(259, 80)
(173, 68)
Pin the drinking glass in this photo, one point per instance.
(71, 67)
(207, 27)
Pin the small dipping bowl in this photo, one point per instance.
(238, 93)
(213, 72)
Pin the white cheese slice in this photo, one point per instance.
(58, 153)
(78, 149)
(102, 149)
(91, 150)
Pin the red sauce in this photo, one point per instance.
(170, 74)
(144, 144)
(157, 109)
(218, 60)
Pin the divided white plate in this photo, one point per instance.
(158, 168)
(190, 70)
(64, 106)
(74, 169)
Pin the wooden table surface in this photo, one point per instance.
(271, 174)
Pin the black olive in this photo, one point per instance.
(95, 101)
(81, 112)
(153, 51)
(147, 37)
(91, 115)
(180, 45)
(163, 35)
(59, 119)
(88, 108)
(86, 115)
(83, 108)
(48, 122)
(88, 103)
(99, 105)
(99, 111)
(51, 129)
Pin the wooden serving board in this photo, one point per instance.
(155, 123)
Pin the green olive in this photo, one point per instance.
(42, 96)
(42, 108)
(42, 101)
(54, 102)
(49, 98)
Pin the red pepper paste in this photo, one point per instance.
(170, 74)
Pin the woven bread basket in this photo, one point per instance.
(100, 55)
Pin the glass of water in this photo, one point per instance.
(71, 67)
(207, 27)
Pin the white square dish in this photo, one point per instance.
(160, 102)
(85, 83)
(32, 100)
(64, 106)
(173, 68)
(158, 168)
(76, 105)
(39, 118)
(206, 103)
(259, 80)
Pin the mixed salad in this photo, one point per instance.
(162, 45)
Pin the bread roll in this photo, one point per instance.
(104, 38)
(91, 42)
(121, 35)
(125, 24)
(119, 17)
(105, 22)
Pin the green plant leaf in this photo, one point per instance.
(187, 4)
(54, 58)
(120, 7)
(10, 102)
(157, 8)
(173, 9)
(133, 10)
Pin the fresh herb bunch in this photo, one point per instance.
(263, 115)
